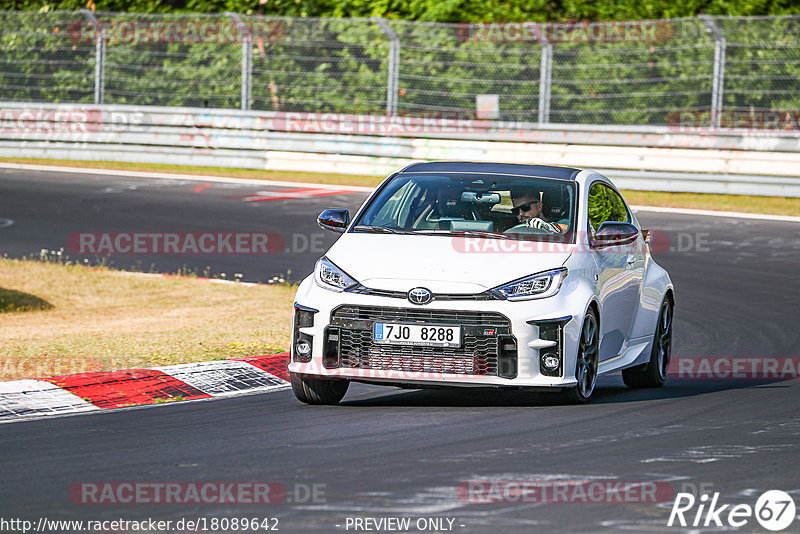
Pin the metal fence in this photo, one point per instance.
(707, 71)
(635, 157)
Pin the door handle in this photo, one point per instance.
(631, 259)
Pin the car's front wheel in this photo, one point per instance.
(587, 362)
(654, 373)
(318, 390)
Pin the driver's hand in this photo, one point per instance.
(539, 224)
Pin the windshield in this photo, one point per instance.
(485, 205)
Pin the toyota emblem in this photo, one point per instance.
(420, 295)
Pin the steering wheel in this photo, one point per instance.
(525, 229)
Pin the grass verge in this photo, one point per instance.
(101, 320)
(703, 201)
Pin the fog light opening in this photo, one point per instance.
(551, 358)
(303, 348)
(331, 348)
(506, 356)
(550, 361)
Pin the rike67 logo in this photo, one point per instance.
(774, 510)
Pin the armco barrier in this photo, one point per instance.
(649, 158)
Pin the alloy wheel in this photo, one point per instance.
(586, 365)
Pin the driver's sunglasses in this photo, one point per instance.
(522, 207)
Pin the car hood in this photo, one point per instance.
(443, 264)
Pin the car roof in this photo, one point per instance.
(541, 171)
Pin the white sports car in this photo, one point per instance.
(483, 274)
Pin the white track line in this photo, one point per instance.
(202, 278)
(711, 213)
(173, 176)
(250, 181)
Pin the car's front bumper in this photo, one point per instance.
(356, 358)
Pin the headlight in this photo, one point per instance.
(329, 276)
(537, 286)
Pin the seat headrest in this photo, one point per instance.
(451, 207)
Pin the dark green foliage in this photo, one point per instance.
(440, 10)
(17, 301)
(605, 205)
(341, 64)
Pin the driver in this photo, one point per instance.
(528, 208)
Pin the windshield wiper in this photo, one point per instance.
(390, 230)
(478, 233)
(475, 233)
(384, 229)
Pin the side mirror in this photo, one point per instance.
(334, 220)
(613, 234)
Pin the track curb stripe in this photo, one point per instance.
(227, 377)
(25, 398)
(93, 392)
(131, 387)
(276, 365)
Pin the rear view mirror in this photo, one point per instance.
(613, 234)
(334, 220)
(480, 198)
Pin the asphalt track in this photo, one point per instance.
(47, 208)
(395, 453)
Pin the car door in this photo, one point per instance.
(619, 271)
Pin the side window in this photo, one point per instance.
(605, 204)
(395, 210)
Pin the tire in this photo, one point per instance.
(318, 390)
(654, 373)
(586, 363)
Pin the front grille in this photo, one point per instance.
(478, 354)
(418, 315)
(363, 290)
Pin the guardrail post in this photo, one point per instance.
(545, 79)
(393, 65)
(99, 57)
(718, 81)
(247, 60)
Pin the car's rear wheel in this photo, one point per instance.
(654, 373)
(318, 390)
(587, 362)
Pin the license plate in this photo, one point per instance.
(420, 335)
